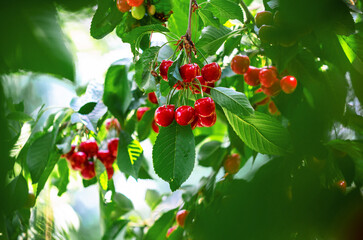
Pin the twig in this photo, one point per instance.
(249, 15)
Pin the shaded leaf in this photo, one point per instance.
(160, 227)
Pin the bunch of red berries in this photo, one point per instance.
(140, 113)
(137, 8)
(83, 159)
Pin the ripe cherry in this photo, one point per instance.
(268, 76)
(164, 115)
(113, 146)
(138, 12)
(151, 10)
(123, 6)
(89, 147)
(273, 90)
(110, 172)
(88, 172)
(70, 153)
(181, 216)
(211, 72)
(164, 67)
(264, 101)
(106, 158)
(112, 123)
(272, 108)
(155, 127)
(152, 98)
(30, 201)
(208, 121)
(184, 115)
(195, 124)
(342, 186)
(251, 77)
(240, 64)
(205, 107)
(264, 18)
(195, 88)
(135, 3)
(288, 84)
(77, 160)
(197, 69)
(140, 112)
(207, 89)
(232, 163)
(170, 231)
(188, 72)
(179, 85)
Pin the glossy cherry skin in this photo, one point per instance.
(268, 77)
(170, 231)
(135, 3)
(273, 90)
(179, 85)
(195, 88)
(264, 101)
(106, 158)
(207, 89)
(211, 72)
(264, 18)
(152, 98)
(195, 123)
(208, 121)
(123, 6)
(288, 84)
(89, 147)
(70, 153)
(251, 77)
(140, 112)
(181, 216)
(155, 127)
(113, 146)
(197, 69)
(138, 12)
(88, 172)
(188, 72)
(164, 115)
(110, 172)
(164, 67)
(77, 160)
(240, 64)
(184, 115)
(205, 107)
(272, 108)
(232, 163)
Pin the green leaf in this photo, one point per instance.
(211, 154)
(177, 234)
(117, 95)
(129, 155)
(87, 108)
(353, 49)
(87, 183)
(174, 154)
(63, 179)
(231, 44)
(233, 101)
(19, 116)
(101, 174)
(144, 126)
(212, 39)
(143, 67)
(160, 227)
(112, 231)
(16, 193)
(152, 198)
(226, 10)
(260, 132)
(87, 101)
(251, 167)
(106, 18)
(38, 155)
(123, 205)
(173, 71)
(208, 18)
(91, 120)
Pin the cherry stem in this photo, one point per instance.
(249, 15)
(189, 30)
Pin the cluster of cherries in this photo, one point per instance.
(203, 114)
(82, 158)
(231, 163)
(180, 220)
(268, 77)
(137, 8)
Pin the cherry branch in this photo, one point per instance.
(249, 15)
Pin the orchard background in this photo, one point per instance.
(89, 150)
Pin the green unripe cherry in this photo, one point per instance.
(138, 12)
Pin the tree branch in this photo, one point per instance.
(249, 15)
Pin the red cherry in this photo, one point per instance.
(155, 127)
(110, 172)
(164, 67)
(135, 3)
(89, 147)
(170, 231)
(88, 172)
(113, 146)
(195, 123)
(106, 158)
(195, 87)
(208, 121)
(152, 98)
(342, 185)
(181, 216)
(188, 72)
(184, 115)
(211, 72)
(264, 18)
(179, 85)
(273, 90)
(240, 64)
(140, 112)
(197, 69)
(207, 89)
(111, 123)
(164, 115)
(272, 108)
(123, 6)
(70, 153)
(288, 84)
(232, 163)
(251, 77)
(264, 101)
(268, 76)
(77, 160)
(205, 107)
